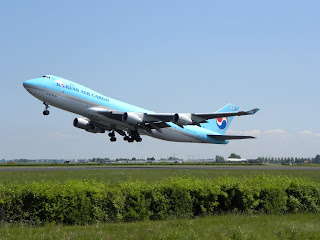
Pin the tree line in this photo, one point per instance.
(316, 159)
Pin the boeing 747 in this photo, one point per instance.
(100, 114)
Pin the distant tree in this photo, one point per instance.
(22, 160)
(219, 159)
(260, 160)
(233, 155)
(317, 159)
(291, 160)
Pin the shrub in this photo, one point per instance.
(82, 202)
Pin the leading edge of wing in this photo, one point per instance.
(228, 137)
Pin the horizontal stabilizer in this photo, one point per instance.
(229, 137)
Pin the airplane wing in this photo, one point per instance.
(195, 118)
(177, 118)
(154, 121)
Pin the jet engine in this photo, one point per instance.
(86, 125)
(82, 123)
(182, 119)
(132, 118)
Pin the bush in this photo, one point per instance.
(83, 202)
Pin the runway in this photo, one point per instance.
(144, 168)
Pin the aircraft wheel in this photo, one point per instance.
(113, 139)
(126, 138)
(111, 134)
(130, 140)
(46, 112)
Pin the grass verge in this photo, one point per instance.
(223, 227)
(150, 175)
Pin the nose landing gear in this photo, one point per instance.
(46, 112)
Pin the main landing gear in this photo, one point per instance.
(133, 136)
(46, 112)
(112, 136)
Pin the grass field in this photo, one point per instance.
(150, 175)
(231, 226)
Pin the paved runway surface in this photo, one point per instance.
(168, 167)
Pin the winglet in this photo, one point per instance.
(253, 111)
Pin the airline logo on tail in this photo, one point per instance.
(222, 122)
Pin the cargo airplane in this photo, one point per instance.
(100, 113)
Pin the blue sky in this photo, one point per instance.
(166, 56)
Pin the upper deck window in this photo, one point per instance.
(46, 77)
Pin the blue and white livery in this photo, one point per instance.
(100, 113)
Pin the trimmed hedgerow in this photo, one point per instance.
(82, 202)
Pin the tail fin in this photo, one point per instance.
(220, 125)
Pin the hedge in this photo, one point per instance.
(84, 202)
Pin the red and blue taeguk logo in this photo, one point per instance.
(222, 122)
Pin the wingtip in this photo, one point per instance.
(253, 111)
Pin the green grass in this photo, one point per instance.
(152, 175)
(231, 226)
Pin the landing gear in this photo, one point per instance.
(133, 136)
(46, 112)
(126, 138)
(112, 136)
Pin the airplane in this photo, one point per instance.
(100, 114)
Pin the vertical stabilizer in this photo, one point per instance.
(220, 125)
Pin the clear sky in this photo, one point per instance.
(166, 56)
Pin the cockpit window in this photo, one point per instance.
(46, 77)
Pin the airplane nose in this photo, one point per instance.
(26, 84)
(30, 83)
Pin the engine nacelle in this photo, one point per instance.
(82, 123)
(182, 119)
(132, 118)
